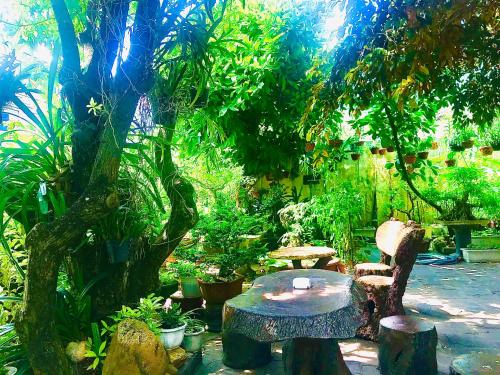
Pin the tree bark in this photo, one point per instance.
(47, 245)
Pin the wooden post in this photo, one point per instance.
(407, 346)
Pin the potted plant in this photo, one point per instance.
(410, 158)
(466, 136)
(336, 143)
(382, 151)
(486, 150)
(455, 143)
(374, 148)
(220, 282)
(310, 146)
(423, 147)
(450, 160)
(118, 230)
(193, 336)
(188, 273)
(172, 326)
(169, 284)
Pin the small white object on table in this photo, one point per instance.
(301, 283)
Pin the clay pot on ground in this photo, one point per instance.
(374, 150)
(390, 149)
(410, 158)
(382, 151)
(335, 143)
(310, 146)
(468, 143)
(450, 162)
(434, 145)
(486, 150)
(355, 156)
(220, 292)
(423, 155)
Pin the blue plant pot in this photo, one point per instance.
(118, 251)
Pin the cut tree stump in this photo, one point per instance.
(476, 364)
(241, 352)
(306, 356)
(407, 346)
(372, 269)
(377, 289)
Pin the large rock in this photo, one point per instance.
(135, 350)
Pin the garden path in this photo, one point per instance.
(462, 300)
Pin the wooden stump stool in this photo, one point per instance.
(306, 356)
(476, 364)
(407, 346)
(368, 269)
(240, 352)
(377, 289)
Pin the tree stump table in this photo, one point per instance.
(312, 320)
(298, 254)
(407, 346)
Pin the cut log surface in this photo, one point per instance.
(272, 310)
(368, 269)
(302, 252)
(407, 346)
(476, 364)
(376, 282)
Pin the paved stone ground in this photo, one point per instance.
(462, 300)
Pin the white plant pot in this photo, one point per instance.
(172, 338)
(481, 255)
(193, 342)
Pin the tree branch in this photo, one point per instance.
(403, 170)
(69, 44)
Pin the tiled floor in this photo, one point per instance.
(462, 300)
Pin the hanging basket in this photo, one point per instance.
(410, 159)
(374, 150)
(423, 155)
(468, 144)
(335, 143)
(355, 156)
(486, 150)
(382, 151)
(450, 162)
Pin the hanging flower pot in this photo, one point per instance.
(310, 146)
(410, 169)
(468, 143)
(410, 158)
(486, 150)
(450, 162)
(118, 251)
(360, 143)
(382, 151)
(355, 156)
(335, 143)
(434, 145)
(390, 149)
(374, 150)
(423, 155)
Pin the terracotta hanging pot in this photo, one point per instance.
(468, 144)
(335, 143)
(382, 151)
(423, 155)
(355, 156)
(410, 158)
(310, 146)
(390, 149)
(486, 150)
(374, 150)
(450, 162)
(360, 143)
